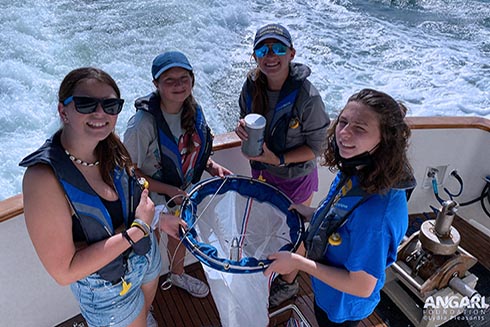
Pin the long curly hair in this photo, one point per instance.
(110, 152)
(390, 162)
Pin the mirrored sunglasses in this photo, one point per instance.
(278, 48)
(88, 105)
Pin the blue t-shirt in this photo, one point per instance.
(370, 238)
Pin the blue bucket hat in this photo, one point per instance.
(273, 31)
(167, 60)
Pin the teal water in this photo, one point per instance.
(434, 55)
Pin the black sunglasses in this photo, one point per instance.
(88, 105)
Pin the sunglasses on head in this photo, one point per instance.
(88, 105)
(278, 48)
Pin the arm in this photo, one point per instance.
(162, 188)
(358, 283)
(314, 127)
(311, 136)
(370, 250)
(171, 224)
(138, 137)
(314, 120)
(240, 130)
(49, 224)
(215, 169)
(300, 154)
(303, 210)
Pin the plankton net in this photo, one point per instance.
(234, 224)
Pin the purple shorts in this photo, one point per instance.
(297, 189)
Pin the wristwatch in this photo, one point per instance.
(282, 163)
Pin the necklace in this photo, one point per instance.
(81, 162)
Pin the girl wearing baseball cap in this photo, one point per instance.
(279, 90)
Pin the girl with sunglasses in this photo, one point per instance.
(170, 143)
(279, 90)
(86, 214)
(368, 145)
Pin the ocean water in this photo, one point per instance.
(432, 54)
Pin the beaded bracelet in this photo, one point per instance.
(142, 225)
(127, 237)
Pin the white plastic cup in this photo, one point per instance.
(255, 128)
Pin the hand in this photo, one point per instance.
(267, 156)
(303, 210)
(170, 224)
(216, 169)
(240, 130)
(284, 263)
(145, 209)
(177, 195)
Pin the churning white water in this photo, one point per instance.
(432, 54)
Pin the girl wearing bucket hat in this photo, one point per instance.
(279, 90)
(170, 143)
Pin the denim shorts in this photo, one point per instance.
(99, 300)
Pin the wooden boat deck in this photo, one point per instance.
(176, 308)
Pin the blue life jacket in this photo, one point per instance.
(171, 165)
(90, 212)
(331, 215)
(284, 111)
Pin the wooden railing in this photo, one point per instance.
(13, 206)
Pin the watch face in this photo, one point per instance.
(281, 160)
